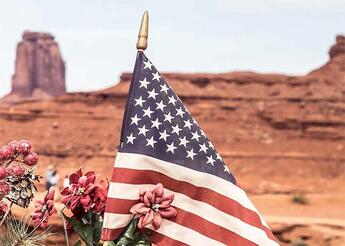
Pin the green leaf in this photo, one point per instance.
(127, 237)
(87, 218)
(78, 243)
(131, 237)
(83, 230)
(97, 224)
(142, 239)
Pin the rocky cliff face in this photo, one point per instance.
(39, 68)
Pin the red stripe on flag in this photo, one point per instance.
(163, 240)
(187, 219)
(111, 234)
(223, 203)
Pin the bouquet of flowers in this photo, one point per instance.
(85, 198)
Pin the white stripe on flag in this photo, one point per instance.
(200, 179)
(185, 234)
(115, 221)
(201, 209)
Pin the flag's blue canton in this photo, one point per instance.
(156, 123)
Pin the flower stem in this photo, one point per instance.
(12, 159)
(65, 228)
(63, 218)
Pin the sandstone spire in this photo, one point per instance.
(39, 68)
(338, 48)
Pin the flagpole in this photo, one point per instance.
(141, 46)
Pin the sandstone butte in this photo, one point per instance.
(39, 69)
(279, 134)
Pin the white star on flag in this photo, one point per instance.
(163, 135)
(190, 154)
(150, 142)
(171, 147)
(135, 120)
(152, 94)
(148, 112)
(196, 136)
(172, 100)
(139, 101)
(168, 117)
(210, 160)
(142, 130)
(184, 141)
(156, 76)
(160, 105)
(155, 123)
(143, 83)
(187, 124)
(130, 138)
(226, 169)
(203, 147)
(176, 129)
(164, 88)
(179, 112)
(148, 65)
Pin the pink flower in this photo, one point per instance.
(44, 209)
(154, 206)
(80, 191)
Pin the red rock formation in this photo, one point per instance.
(40, 69)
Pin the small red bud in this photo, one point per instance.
(31, 159)
(24, 147)
(14, 145)
(15, 170)
(3, 173)
(6, 152)
(4, 188)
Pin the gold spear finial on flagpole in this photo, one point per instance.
(143, 32)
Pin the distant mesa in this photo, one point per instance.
(39, 69)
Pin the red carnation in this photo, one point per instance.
(80, 192)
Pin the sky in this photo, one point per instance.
(97, 38)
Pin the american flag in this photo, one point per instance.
(162, 143)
